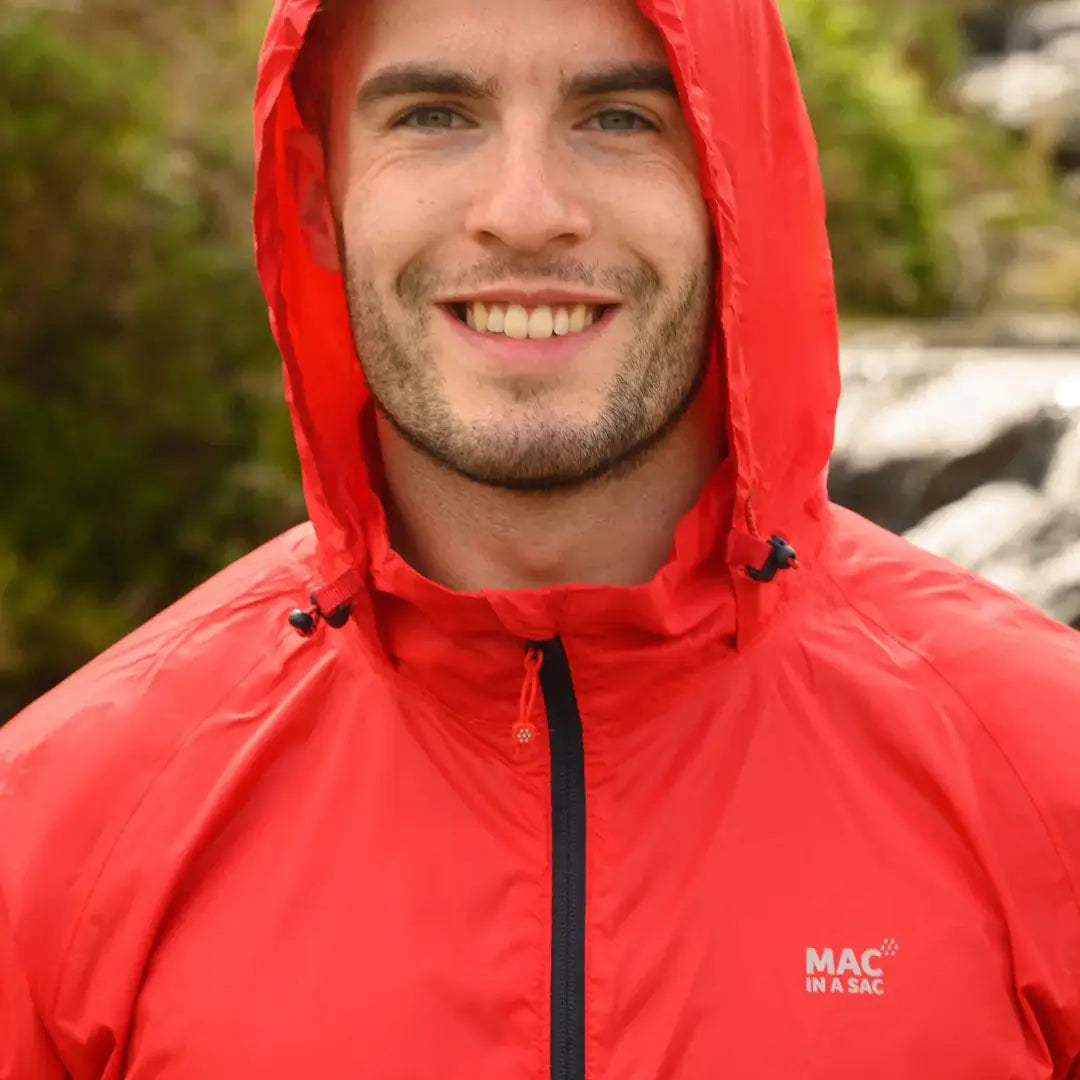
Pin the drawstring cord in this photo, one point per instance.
(761, 559)
(331, 604)
(530, 688)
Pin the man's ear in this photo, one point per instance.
(306, 167)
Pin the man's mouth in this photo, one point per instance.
(521, 323)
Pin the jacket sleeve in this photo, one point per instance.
(1022, 679)
(26, 1052)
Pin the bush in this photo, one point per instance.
(142, 435)
(885, 152)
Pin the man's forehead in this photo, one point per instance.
(500, 39)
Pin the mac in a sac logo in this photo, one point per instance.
(849, 971)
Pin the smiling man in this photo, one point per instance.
(529, 267)
(601, 745)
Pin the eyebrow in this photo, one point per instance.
(401, 80)
(621, 79)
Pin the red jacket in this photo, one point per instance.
(824, 826)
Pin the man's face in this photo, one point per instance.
(527, 252)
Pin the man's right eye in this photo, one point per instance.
(430, 118)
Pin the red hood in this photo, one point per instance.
(775, 298)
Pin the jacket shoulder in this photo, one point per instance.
(1016, 669)
(76, 764)
(186, 653)
(1008, 678)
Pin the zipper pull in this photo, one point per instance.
(524, 730)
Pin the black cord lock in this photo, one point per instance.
(305, 623)
(781, 557)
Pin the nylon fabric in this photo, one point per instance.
(832, 820)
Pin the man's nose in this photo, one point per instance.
(529, 201)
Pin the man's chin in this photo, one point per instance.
(537, 469)
(542, 462)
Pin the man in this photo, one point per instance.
(606, 747)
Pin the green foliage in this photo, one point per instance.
(885, 149)
(141, 422)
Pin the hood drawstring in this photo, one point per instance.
(524, 731)
(331, 604)
(761, 559)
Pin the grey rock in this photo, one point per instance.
(987, 29)
(900, 457)
(1060, 588)
(1041, 24)
(1025, 90)
(1005, 530)
(972, 454)
(1026, 72)
(1016, 538)
(1063, 476)
(1052, 585)
(982, 526)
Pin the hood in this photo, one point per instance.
(775, 312)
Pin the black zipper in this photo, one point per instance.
(567, 864)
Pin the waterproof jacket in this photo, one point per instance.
(820, 821)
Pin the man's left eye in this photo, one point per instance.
(430, 118)
(618, 120)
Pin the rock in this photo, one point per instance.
(1041, 24)
(1065, 50)
(987, 31)
(1032, 84)
(973, 455)
(1052, 586)
(1023, 90)
(1063, 477)
(902, 455)
(1018, 539)
(983, 525)
(998, 526)
(1059, 593)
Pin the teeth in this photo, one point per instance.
(518, 322)
(541, 323)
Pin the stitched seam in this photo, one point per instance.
(121, 832)
(892, 636)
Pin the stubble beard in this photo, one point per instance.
(527, 446)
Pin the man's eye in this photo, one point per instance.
(622, 120)
(430, 118)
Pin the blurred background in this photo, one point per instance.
(144, 442)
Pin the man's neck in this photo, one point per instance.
(616, 531)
